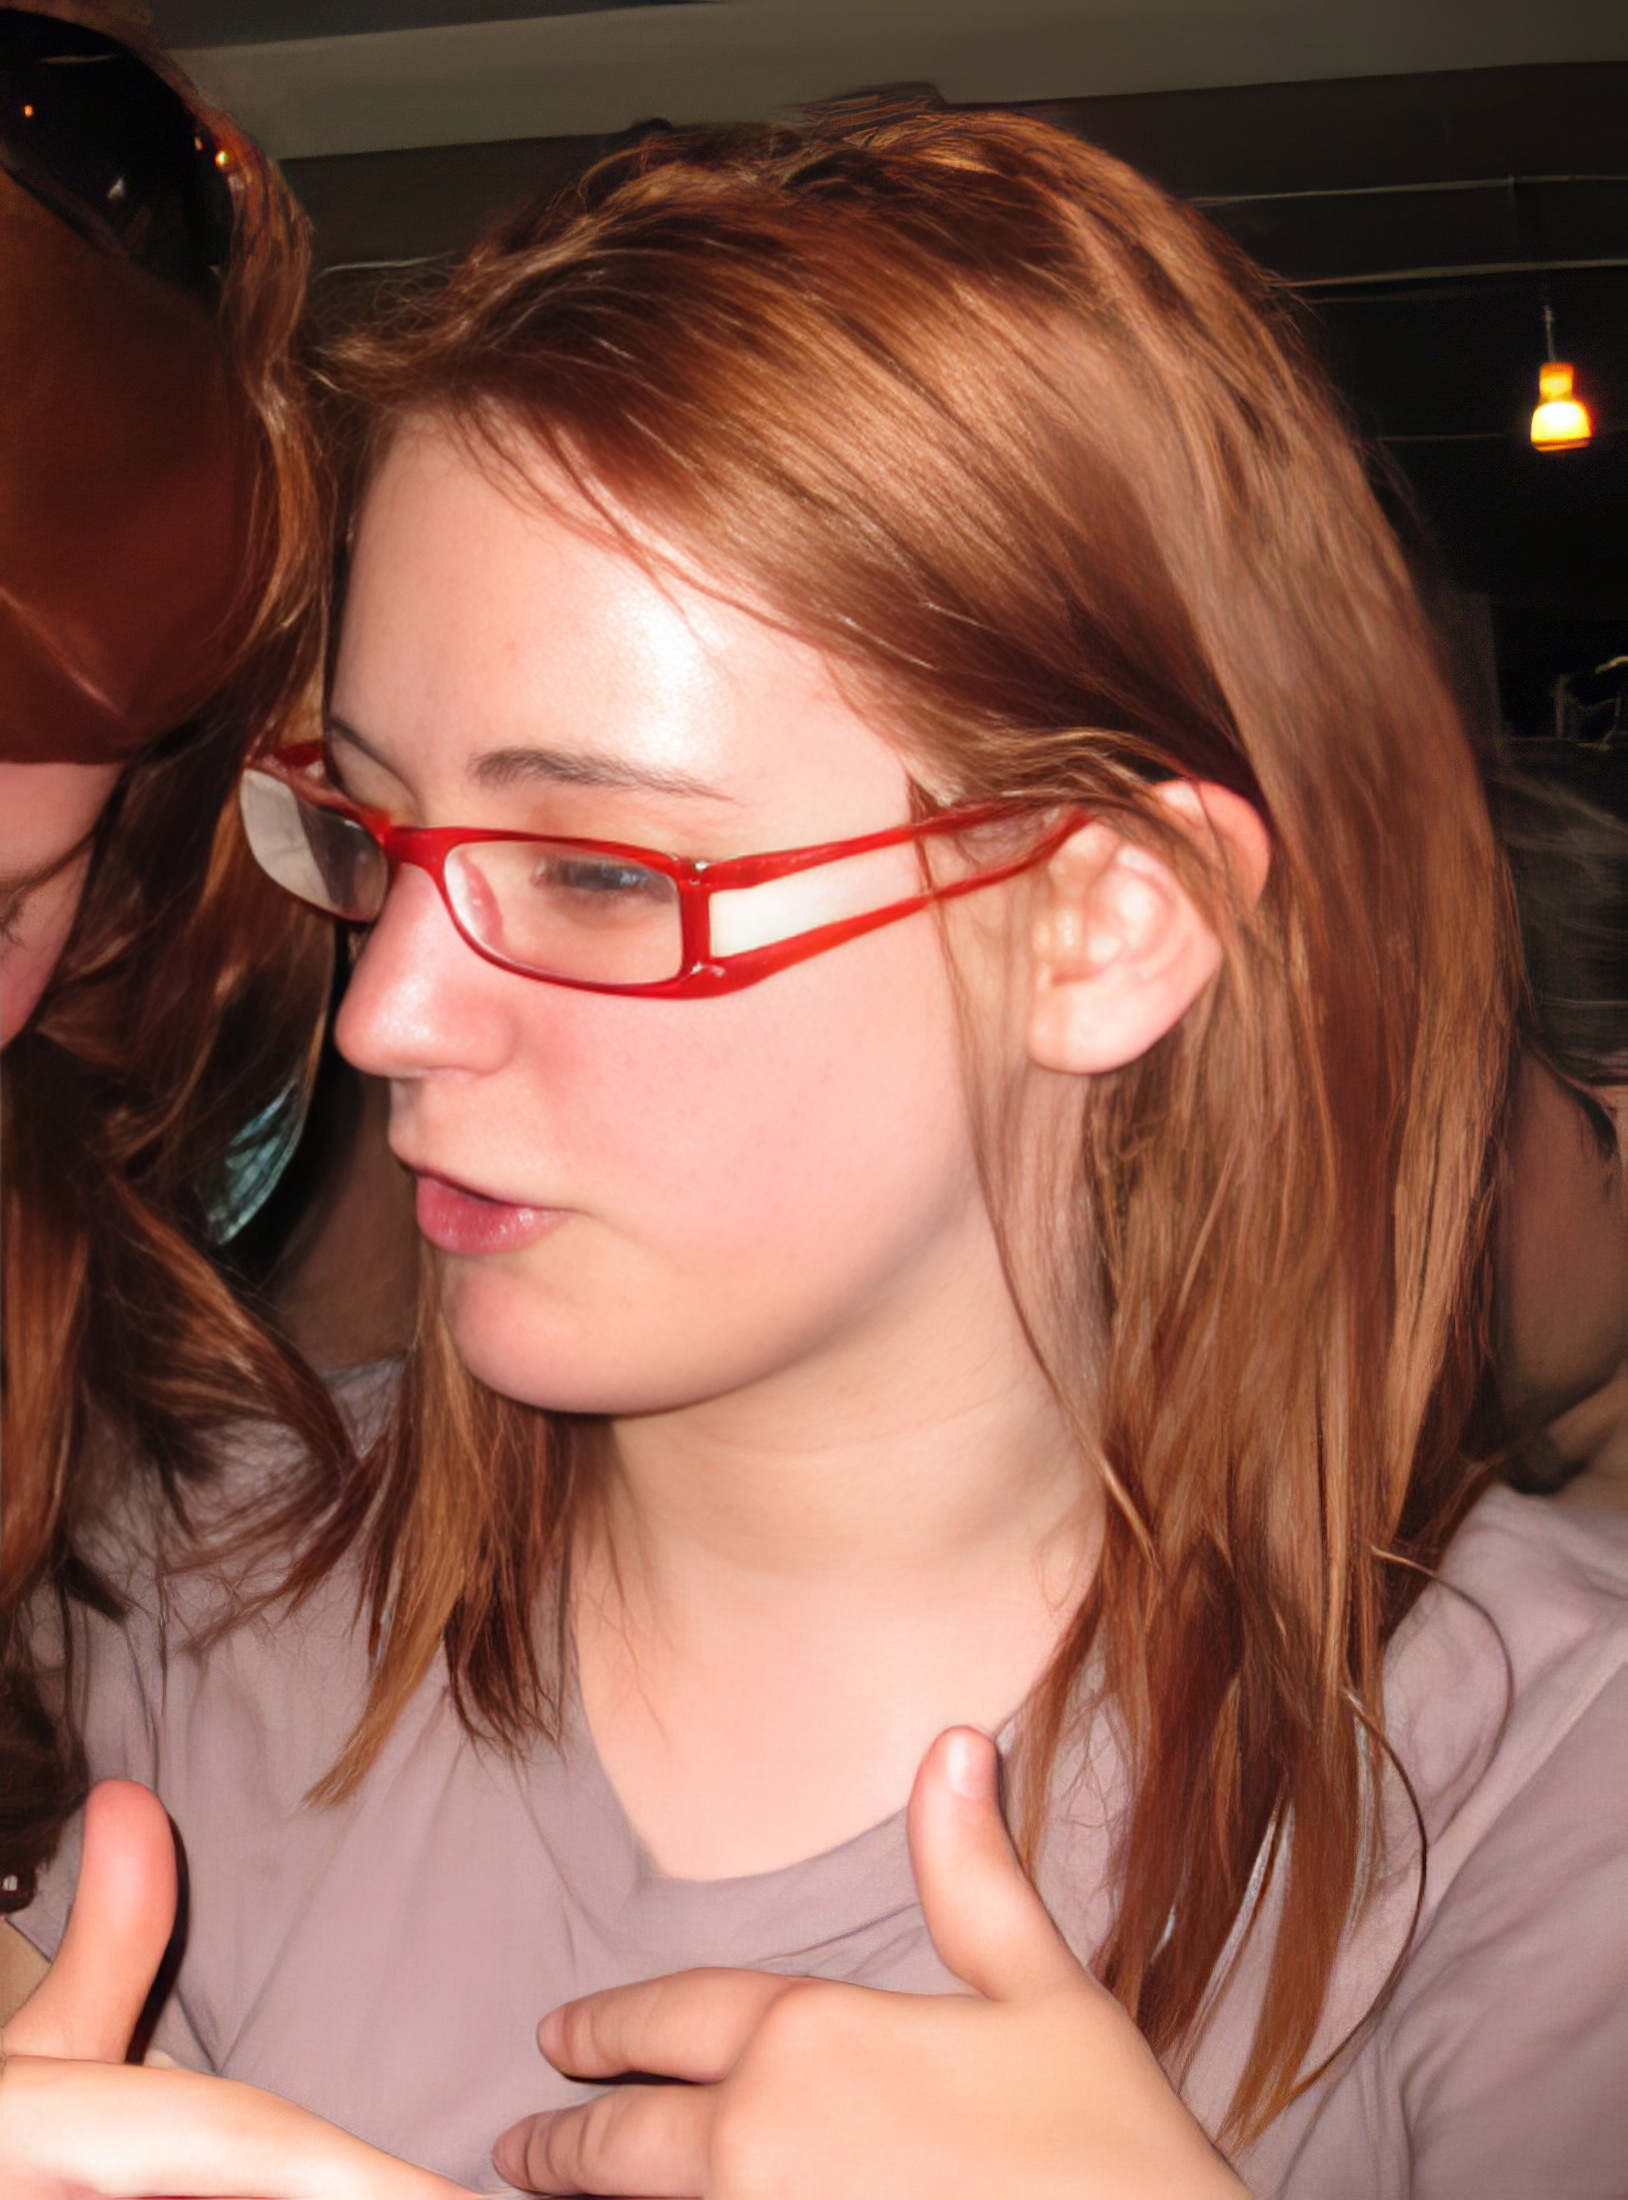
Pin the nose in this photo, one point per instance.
(420, 1000)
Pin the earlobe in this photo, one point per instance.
(1121, 949)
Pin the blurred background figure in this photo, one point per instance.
(164, 1005)
(1562, 1333)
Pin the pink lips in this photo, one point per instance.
(460, 1221)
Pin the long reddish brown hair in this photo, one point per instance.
(190, 995)
(1045, 470)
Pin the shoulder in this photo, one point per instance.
(1524, 1630)
(1504, 1693)
(1483, 1999)
(1553, 1574)
(1538, 1597)
(181, 1557)
(198, 1686)
(204, 1646)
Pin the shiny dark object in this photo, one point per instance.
(115, 152)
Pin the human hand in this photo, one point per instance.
(1034, 2086)
(101, 2131)
(78, 2123)
(87, 2005)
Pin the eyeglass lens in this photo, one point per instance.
(568, 911)
(558, 910)
(114, 151)
(322, 856)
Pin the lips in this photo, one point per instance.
(456, 1219)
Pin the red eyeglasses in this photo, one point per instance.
(599, 915)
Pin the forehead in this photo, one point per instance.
(482, 618)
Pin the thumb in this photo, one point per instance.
(987, 1922)
(86, 2006)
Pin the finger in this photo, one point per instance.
(648, 2139)
(691, 2024)
(987, 1922)
(123, 1913)
(117, 2131)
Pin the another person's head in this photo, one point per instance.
(1563, 1238)
(862, 472)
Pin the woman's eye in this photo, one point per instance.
(598, 880)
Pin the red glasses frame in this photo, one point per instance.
(702, 974)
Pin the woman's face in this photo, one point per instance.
(640, 1204)
(47, 813)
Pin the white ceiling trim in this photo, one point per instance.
(558, 76)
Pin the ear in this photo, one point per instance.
(1121, 950)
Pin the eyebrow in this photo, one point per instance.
(511, 767)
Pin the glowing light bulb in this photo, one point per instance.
(1562, 421)
(223, 158)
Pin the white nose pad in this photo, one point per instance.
(745, 917)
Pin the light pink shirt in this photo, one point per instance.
(386, 1962)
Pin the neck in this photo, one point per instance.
(785, 1594)
(886, 1457)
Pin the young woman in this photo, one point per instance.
(947, 987)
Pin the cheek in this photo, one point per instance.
(748, 1174)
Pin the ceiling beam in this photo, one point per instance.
(572, 75)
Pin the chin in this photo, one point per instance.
(603, 1361)
(548, 1356)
